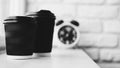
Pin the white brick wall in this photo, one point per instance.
(107, 40)
(87, 39)
(110, 55)
(118, 41)
(111, 26)
(113, 2)
(91, 11)
(98, 40)
(2, 41)
(90, 25)
(2, 35)
(44, 1)
(58, 9)
(84, 1)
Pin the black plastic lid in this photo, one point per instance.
(19, 19)
(46, 14)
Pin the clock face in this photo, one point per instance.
(67, 34)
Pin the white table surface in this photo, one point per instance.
(59, 58)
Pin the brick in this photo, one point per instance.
(84, 1)
(107, 40)
(92, 52)
(97, 40)
(58, 9)
(16, 7)
(2, 41)
(87, 39)
(113, 2)
(110, 55)
(90, 25)
(119, 41)
(97, 11)
(111, 26)
(109, 65)
(44, 1)
(2, 35)
(1, 29)
(32, 7)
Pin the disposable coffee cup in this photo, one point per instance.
(19, 36)
(45, 21)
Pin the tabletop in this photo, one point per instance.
(58, 58)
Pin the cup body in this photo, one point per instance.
(19, 36)
(44, 36)
(45, 21)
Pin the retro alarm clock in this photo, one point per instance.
(66, 33)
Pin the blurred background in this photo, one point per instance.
(99, 24)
